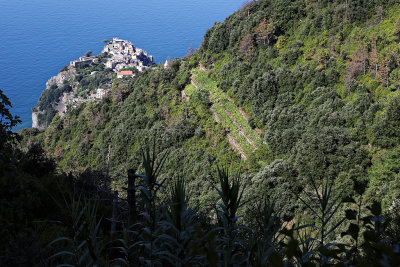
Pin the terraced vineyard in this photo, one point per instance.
(245, 139)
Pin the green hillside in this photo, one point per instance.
(319, 82)
(300, 99)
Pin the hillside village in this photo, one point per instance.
(118, 56)
(126, 55)
(123, 55)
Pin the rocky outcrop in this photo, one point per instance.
(61, 106)
(35, 120)
(65, 75)
(62, 76)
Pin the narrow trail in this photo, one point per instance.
(193, 83)
(231, 140)
(244, 114)
(184, 96)
(203, 68)
(241, 132)
(235, 146)
(215, 115)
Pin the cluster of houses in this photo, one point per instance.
(125, 55)
(124, 58)
(84, 59)
(101, 93)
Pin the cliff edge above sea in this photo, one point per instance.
(89, 78)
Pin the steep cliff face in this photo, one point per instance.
(53, 85)
(61, 77)
(51, 98)
(35, 120)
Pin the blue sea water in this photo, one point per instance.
(39, 37)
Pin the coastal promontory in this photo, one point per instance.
(89, 78)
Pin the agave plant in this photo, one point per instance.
(323, 203)
(231, 194)
(84, 248)
(178, 223)
(264, 244)
(142, 245)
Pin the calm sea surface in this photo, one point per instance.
(39, 37)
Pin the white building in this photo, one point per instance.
(101, 93)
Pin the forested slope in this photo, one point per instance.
(320, 79)
(299, 99)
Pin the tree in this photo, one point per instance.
(386, 128)
(88, 53)
(265, 32)
(384, 71)
(7, 121)
(190, 51)
(357, 10)
(326, 152)
(396, 31)
(379, 13)
(246, 47)
(373, 57)
(355, 66)
(247, 6)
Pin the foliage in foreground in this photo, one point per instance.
(170, 233)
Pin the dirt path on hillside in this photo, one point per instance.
(216, 118)
(244, 114)
(192, 82)
(231, 140)
(203, 68)
(184, 96)
(236, 147)
(241, 132)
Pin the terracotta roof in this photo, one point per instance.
(125, 72)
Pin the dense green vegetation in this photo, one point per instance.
(320, 86)
(321, 82)
(299, 98)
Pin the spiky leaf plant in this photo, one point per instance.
(178, 223)
(84, 248)
(148, 230)
(323, 203)
(230, 192)
(264, 242)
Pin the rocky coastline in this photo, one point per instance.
(89, 78)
